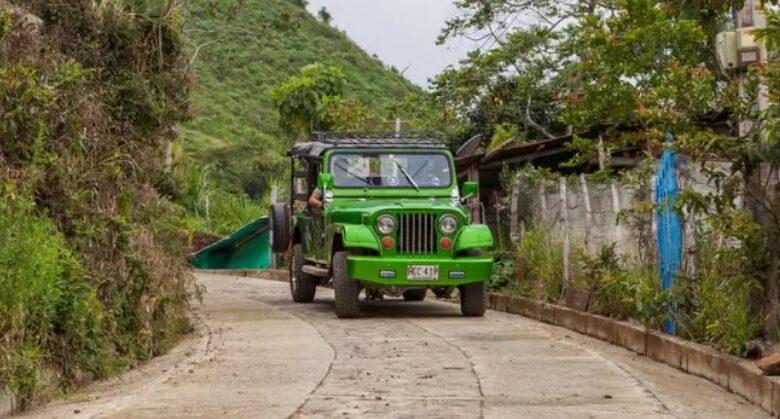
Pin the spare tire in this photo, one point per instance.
(280, 228)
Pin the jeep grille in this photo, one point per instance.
(416, 234)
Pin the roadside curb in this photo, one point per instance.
(737, 375)
(272, 274)
(7, 403)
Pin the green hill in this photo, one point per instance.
(244, 48)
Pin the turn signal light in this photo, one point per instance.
(445, 243)
(388, 242)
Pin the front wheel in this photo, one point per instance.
(302, 285)
(345, 289)
(473, 299)
(415, 294)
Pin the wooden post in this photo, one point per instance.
(476, 206)
(603, 157)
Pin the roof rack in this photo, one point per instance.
(388, 138)
(323, 141)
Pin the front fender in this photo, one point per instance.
(358, 236)
(474, 236)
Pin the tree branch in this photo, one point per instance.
(533, 124)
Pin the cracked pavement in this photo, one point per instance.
(257, 354)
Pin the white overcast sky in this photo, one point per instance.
(401, 32)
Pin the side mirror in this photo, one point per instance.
(324, 181)
(469, 190)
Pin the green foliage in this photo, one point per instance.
(503, 275)
(660, 88)
(245, 49)
(504, 135)
(207, 209)
(324, 15)
(299, 99)
(538, 266)
(93, 267)
(714, 307)
(49, 313)
(632, 71)
(336, 114)
(771, 34)
(622, 292)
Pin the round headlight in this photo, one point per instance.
(385, 224)
(448, 224)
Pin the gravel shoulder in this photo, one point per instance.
(257, 354)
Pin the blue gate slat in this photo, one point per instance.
(669, 226)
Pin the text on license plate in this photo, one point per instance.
(427, 272)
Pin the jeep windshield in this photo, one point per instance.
(390, 170)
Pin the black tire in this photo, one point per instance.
(280, 228)
(443, 292)
(345, 289)
(302, 285)
(473, 299)
(415, 294)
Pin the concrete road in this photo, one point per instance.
(256, 354)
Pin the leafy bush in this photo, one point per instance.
(620, 291)
(714, 307)
(50, 317)
(539, 265)
(91, 261)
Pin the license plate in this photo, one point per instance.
(422, 272)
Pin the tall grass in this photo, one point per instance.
(714, 307)
(50, 317)
(538, 265)
(90, 266)
(207, 208)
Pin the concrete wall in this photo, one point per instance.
(582, 213)
(585, 213)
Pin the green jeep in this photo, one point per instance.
(392, 221)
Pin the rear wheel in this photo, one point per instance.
(302, 285)
(415, 294)
(346, 290)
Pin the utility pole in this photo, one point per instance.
(751, 16)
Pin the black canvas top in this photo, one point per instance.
(323, 141)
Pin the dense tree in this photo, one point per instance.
(324, 15)
(545, 68)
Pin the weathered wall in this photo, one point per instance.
(582, 213)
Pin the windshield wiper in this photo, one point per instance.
(408, 177)
(360, 178)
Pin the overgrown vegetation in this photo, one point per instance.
(622, 75)
(92, 262)
(241, 51)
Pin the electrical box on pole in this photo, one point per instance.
(738, 50)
